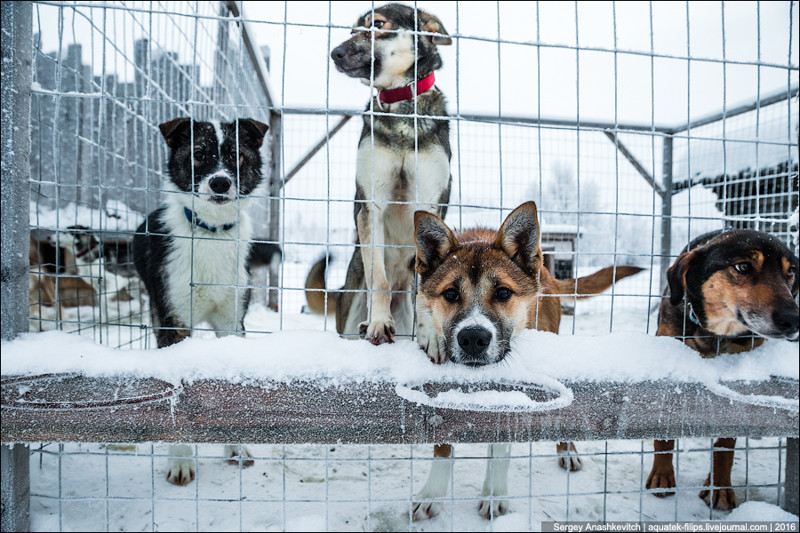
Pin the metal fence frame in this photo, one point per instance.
(17, 53)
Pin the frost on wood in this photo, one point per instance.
(139, 410)
(15, 79)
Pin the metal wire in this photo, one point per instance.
(105, 76)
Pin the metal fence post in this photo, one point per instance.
(666, 211)
(275, 187)
(790, 487)
(16, 76)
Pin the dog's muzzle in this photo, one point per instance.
(219, 188)
(474, 342)
(787, 323)
(219, 184)
(353, 59)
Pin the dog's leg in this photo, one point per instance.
(436, 485)
(351, 307)
(169, 332)
(662, 475)
(568, 460)
(722, 498)
(378, 170)
(229, 320)
(428, 338)
(356, 312)
(496, 482)
(235, 456)
(379, 326)
(180, 470)
(402, 307)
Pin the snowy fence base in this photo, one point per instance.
(73, 408)
(79, 409)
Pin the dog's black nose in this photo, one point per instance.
(219, 185)
(338, 53)
(786, 320)
(475, 340)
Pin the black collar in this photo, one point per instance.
(194, 219)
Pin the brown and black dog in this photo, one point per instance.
(728, 292)
(402, 165)
(477, 291)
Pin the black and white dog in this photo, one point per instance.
(193, 252)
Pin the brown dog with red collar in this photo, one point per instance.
(728, 292)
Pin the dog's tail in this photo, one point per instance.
(596, 283)
(316, 282)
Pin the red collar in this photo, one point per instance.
(86, 251)
(390, 96)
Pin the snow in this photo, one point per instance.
(369, 488)
(319, 355)
(356, 487)
(115, 217)
(492, 400)
(760, 512)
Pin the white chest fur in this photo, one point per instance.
(414, 179)
(205, 271)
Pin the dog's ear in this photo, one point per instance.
(173, 129)
(432, 24)
(434, 241)
(254, 128)
(676, 276)
(519, 236)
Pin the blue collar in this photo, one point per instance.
(194, 219)
(692, 315)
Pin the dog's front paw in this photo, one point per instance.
(180, 471)
(378, 331)
(572, 463)
(661, 478)
(568, 461)
(719, 499)
(492, 508)
(432, 344)
(235, 458)
(424, 510)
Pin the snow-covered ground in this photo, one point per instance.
(369, 488)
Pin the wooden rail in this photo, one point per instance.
(75, 408)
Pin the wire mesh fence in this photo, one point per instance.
(634, 128)
(344, 488)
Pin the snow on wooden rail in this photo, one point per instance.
(305, 386)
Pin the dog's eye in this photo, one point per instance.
(378, 24)
(450, 295)
(199, 157)
(743, 267)
(502, 294)
(791, 273)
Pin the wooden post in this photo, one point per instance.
(17, 53)
(15, 481)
